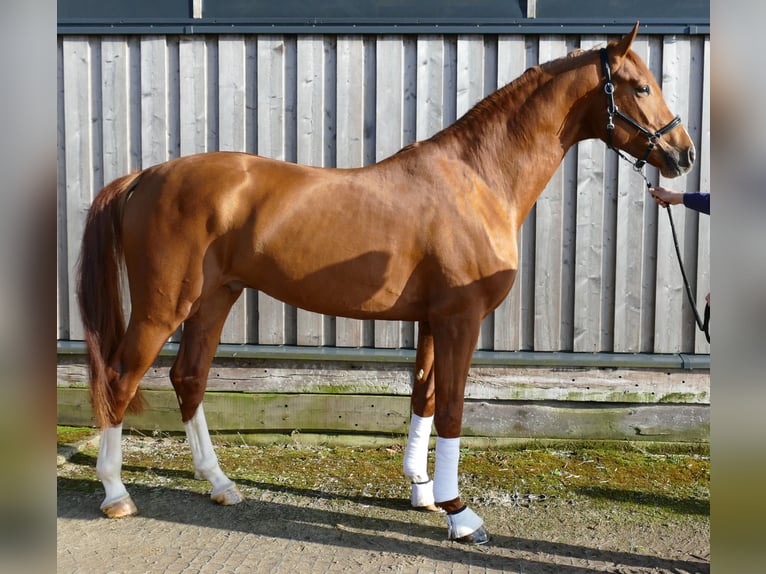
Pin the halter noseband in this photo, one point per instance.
(613, 111)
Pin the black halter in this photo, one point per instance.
(612, 110)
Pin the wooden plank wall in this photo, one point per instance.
(282, 397)
(598, 272)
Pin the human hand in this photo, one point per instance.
(665, 196)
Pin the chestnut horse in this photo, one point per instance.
(427, 235)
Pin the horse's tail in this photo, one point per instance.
(98, 291)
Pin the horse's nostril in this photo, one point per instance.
(690, 155)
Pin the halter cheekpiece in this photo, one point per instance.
(613, 111)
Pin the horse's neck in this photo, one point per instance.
(518, 136)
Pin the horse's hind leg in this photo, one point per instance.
(137, 351)
(421, 421)
(189, 374)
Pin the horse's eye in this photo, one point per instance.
(644, 90)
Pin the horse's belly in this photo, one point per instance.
(372, 284)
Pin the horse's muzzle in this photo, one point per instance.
(678, 162)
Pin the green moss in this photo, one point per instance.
(72, 435)
(680, 398)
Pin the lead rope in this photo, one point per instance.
(704, 326)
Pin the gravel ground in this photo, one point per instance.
(296, 530)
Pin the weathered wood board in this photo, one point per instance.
(488, 383)
(389, 415)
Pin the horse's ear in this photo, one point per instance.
(624, 45)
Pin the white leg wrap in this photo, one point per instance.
(416, 453)
(109, 464)
(445, 469)
(203, 455)
(423, 495)
(463, 523)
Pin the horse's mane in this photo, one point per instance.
(504, 105)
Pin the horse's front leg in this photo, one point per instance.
(454, 342)
(421, 421)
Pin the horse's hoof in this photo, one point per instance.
(427, 508)
(228, 496)
(466, 527)
(119, 508)
(478, 536)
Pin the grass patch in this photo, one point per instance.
(662, 481)
(72, 435)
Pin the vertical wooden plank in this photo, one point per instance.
(154, 101)
(670, 299)
(115, 114)
(78, 155)
(312, 136)
(653, 59)
(549, 223)
(193, 94)
(393, 87)
(431, 73)
(472, 85)
(62, 260)
(703, 247)
(232, 114)
(470, 72)
(272, 137)
(588, 283)
(134, 104)
(511, 63)
(97, 122)
(692, 110)
(158, 125)
(630, 261)
(351, 90)
(173, 97)
(115, 75)
(249, 295)
(469, 91)
(231, 93)
(528, 240)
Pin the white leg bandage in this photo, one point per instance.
(445, 469)
(203, 455)
(109, 464)
(416, 461)
(416, 453)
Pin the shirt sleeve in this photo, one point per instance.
(698, 201)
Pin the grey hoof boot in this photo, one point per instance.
(467, 527)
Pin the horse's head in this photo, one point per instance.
(636, 118)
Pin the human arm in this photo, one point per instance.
(665, 196)
(698, 202)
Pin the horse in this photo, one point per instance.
(427, 235)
